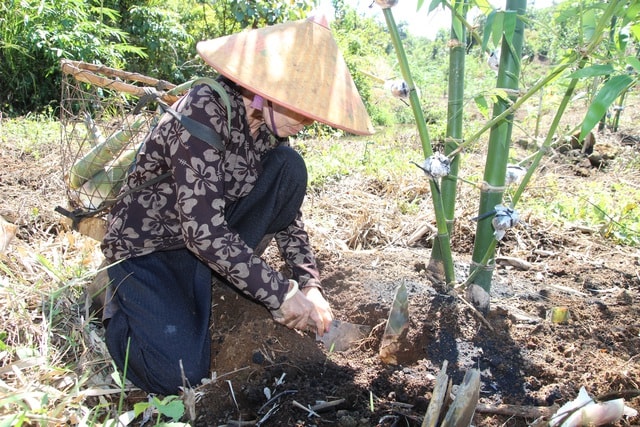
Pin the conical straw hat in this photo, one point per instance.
(297, 65)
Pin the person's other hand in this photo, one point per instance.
(322, 307)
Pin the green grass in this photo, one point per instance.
(30, 133)
(611, 209)
(384, 157)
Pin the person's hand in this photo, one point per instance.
(299, 311)
(322, 306)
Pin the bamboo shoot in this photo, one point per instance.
(99, 156)
(96, 137)
(105, 185)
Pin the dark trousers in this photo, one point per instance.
(164, 299)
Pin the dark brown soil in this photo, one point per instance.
(523, 358)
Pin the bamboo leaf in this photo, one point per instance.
(434, 4)
(487, 30)
(588, 24)
(498, 28)
(593, 71)
(484, 6)
(635, 30)
(483, 105)
(605, 97)
(457, 29)
(634, 62)
(622, 39)
(633, 11)
(509, 25)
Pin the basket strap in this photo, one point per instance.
(137, 188)
(195, 128)
(220, 90)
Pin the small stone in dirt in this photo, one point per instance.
(257, 358)
(347, 421)
(624, 298)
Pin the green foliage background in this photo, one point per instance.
(157, 38)
(153, 37)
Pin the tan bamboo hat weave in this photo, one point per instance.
(297, 65)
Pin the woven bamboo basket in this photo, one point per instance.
(101, 132)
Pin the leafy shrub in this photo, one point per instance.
(35, 35)
(166, 43)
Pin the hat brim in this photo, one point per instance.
(297, 65)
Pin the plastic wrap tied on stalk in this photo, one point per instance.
(385, 4)
(398, 88)
(504, 219)
(437, 166)
(514, 174)
(494, 60)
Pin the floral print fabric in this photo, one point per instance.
(187, 209)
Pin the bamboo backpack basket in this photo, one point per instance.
(105, 116)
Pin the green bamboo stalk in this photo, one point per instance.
(441, 221)
(455, 115)
(532, 167)
(498, 151)
(612, 33)
(619, 107)
(592, 45)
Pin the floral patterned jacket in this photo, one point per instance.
(187, 209)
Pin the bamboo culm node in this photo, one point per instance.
(488, 188)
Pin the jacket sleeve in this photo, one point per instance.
(294, 247)
(198, 171)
